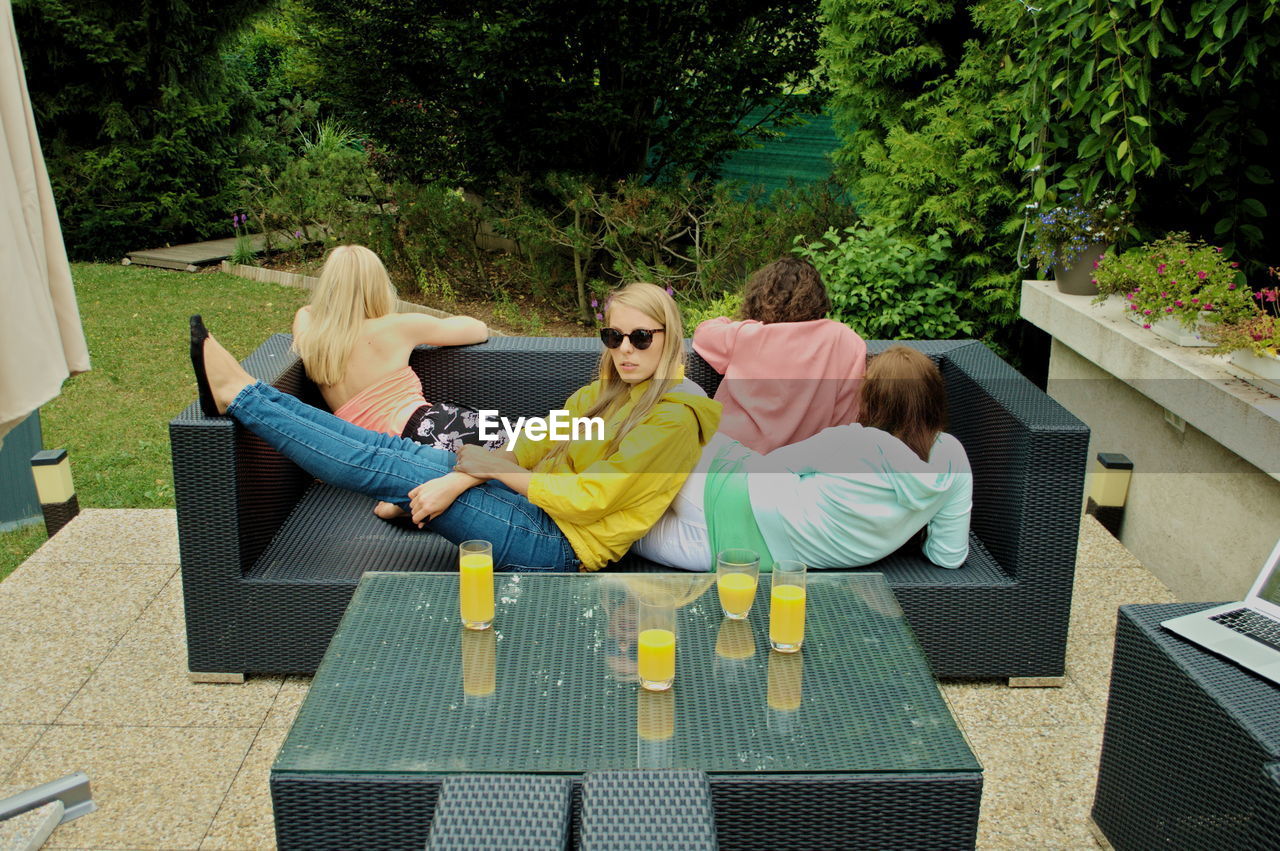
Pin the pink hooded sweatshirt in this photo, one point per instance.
(785, 381)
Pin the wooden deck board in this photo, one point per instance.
(194, 254)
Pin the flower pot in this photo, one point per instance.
(1264, 369)
(1173, 330)
(1077, 279)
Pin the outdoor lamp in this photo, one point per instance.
(57, 493)
(1109, 488)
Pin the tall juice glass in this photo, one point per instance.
(737, 573)
(656, 645)
(475, 584)
(786, 606)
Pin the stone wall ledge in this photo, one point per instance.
(1206, 391)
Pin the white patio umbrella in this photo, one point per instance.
(41, 341)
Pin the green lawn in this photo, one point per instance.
(113, 420)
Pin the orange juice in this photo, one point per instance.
(786, 617)
(737, 593)
(479, 662)
(656, 658)
(475, 590)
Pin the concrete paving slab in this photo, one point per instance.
(245, 819)
(106, 598)
(115, 536)
(986, 703)
(155, 787)
(41, 672)
(15, 741)
(1093, 611)
(288, 700)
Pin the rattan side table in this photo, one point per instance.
(1191, 750)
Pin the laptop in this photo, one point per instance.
(1247, 633)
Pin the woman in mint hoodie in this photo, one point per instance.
(848, 496)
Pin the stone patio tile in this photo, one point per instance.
(40, 672)
(119, 535)
(245, 820)
(54, 597)
(154, 787)
(159, 634)
(988, 703)
(288, 700)
(1089, 664)
(1098, 548)
(1037, 786)
(15, 741)
(147, 689)
(1100, 591)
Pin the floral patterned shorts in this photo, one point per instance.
(447, 426)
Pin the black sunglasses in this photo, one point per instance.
(641, 338)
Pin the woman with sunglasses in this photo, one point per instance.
(544, 506)
(846, 497)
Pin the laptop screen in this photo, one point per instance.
(1269, 582)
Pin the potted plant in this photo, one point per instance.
(1253, 341)
(1070, 238)
(1175, 286)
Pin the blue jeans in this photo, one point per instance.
(386, 467)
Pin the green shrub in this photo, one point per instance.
(885, 286)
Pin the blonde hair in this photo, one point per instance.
(654, 303)
(354, 286)
(903, 394)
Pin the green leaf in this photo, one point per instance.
(1039, 189)
(1257, 174)
(1254, 207)
(1139, 120)
(1222, 226)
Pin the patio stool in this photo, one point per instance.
(646, 811)
(502, 811)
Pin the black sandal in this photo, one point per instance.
(199, 334)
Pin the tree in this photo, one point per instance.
(137, 116)
(474, 90)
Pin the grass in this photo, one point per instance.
(114, 420)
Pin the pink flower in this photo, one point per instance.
(1202, 275)
(595, 303)
(1231, 286)
(600, 316)
(1217, 249)
(1095, 265)
(1146, 312)
(1094, 281)
(1168, 310)
(1183, 262)
(1160, 269)
(1235, 265)
(1195, 301)
(670, 291)
(1146, 324)
(1164, 295)
(1178, 303)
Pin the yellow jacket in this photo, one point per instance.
(604, 503)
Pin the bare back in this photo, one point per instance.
(384, 344)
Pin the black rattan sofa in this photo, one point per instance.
(270, 557)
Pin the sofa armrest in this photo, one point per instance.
(1028, 455)
(232, 491)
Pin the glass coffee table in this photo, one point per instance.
(847, 742)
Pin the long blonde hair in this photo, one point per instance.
(654, 303)
(903, 394)
(354, 286)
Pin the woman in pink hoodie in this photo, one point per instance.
(788, 372)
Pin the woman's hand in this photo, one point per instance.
(431, 499)
(483, 464)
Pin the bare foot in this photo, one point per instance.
(226, 376)
(388, 511)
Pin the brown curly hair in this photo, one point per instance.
(787, 290)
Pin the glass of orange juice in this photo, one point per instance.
(737, 573)
(786, 606)
(475, 584)
(656, 645)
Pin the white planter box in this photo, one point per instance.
(1265, 370)
(1172, 330)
